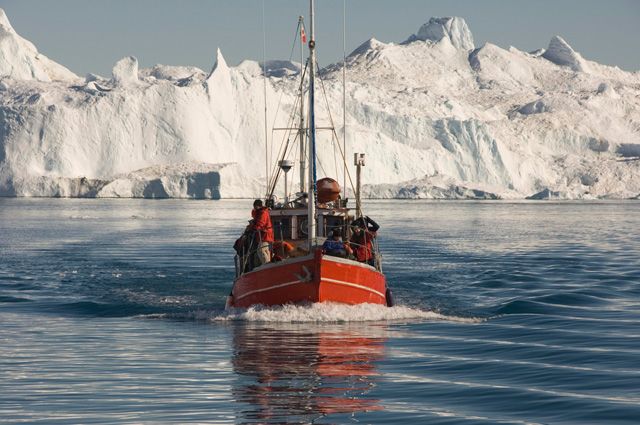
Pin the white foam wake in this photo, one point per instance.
(334, 313)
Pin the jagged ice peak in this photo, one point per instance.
(453, 28)
(20, 60)
(561, 53)
(125, 70)
(4, 21)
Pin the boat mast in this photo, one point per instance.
(311, 201)
(264, 76)
(344, 99)
(301, 129)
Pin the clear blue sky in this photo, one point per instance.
(90, 35)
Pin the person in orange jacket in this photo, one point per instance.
(282, 250)
(261, 225)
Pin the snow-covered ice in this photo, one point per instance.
(437, 116)
(125, 71)
(20, 60)
(559, 52)
(454, 29)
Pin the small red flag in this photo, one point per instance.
(303, 35)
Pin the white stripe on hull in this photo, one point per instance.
(281, 285)
(334, 281)
(353, 285)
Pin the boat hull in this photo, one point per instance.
(310, 279)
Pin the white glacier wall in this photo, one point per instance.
(437, 118)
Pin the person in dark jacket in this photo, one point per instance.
(334, 246)
(364, 232)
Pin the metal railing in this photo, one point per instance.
(247, 259)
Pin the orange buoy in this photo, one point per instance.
(328, 190)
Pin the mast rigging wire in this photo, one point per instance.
(324, 92)
(284, 151)
(277, 169)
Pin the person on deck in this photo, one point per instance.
(261, 225)
(282, 250)
(334, 246)
(364, 232)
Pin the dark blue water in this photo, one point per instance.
(111, 312)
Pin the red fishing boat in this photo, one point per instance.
(300, 267)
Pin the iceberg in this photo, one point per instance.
(437, 118)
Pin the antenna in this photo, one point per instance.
(358, 161)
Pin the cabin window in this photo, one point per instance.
(281, 227)
(332, 222)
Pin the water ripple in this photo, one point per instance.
(515, 313)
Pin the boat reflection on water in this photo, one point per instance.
(289, 373)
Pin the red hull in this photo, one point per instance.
(313, 278)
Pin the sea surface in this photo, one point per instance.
(111, 311)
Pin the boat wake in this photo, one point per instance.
(319, 313)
